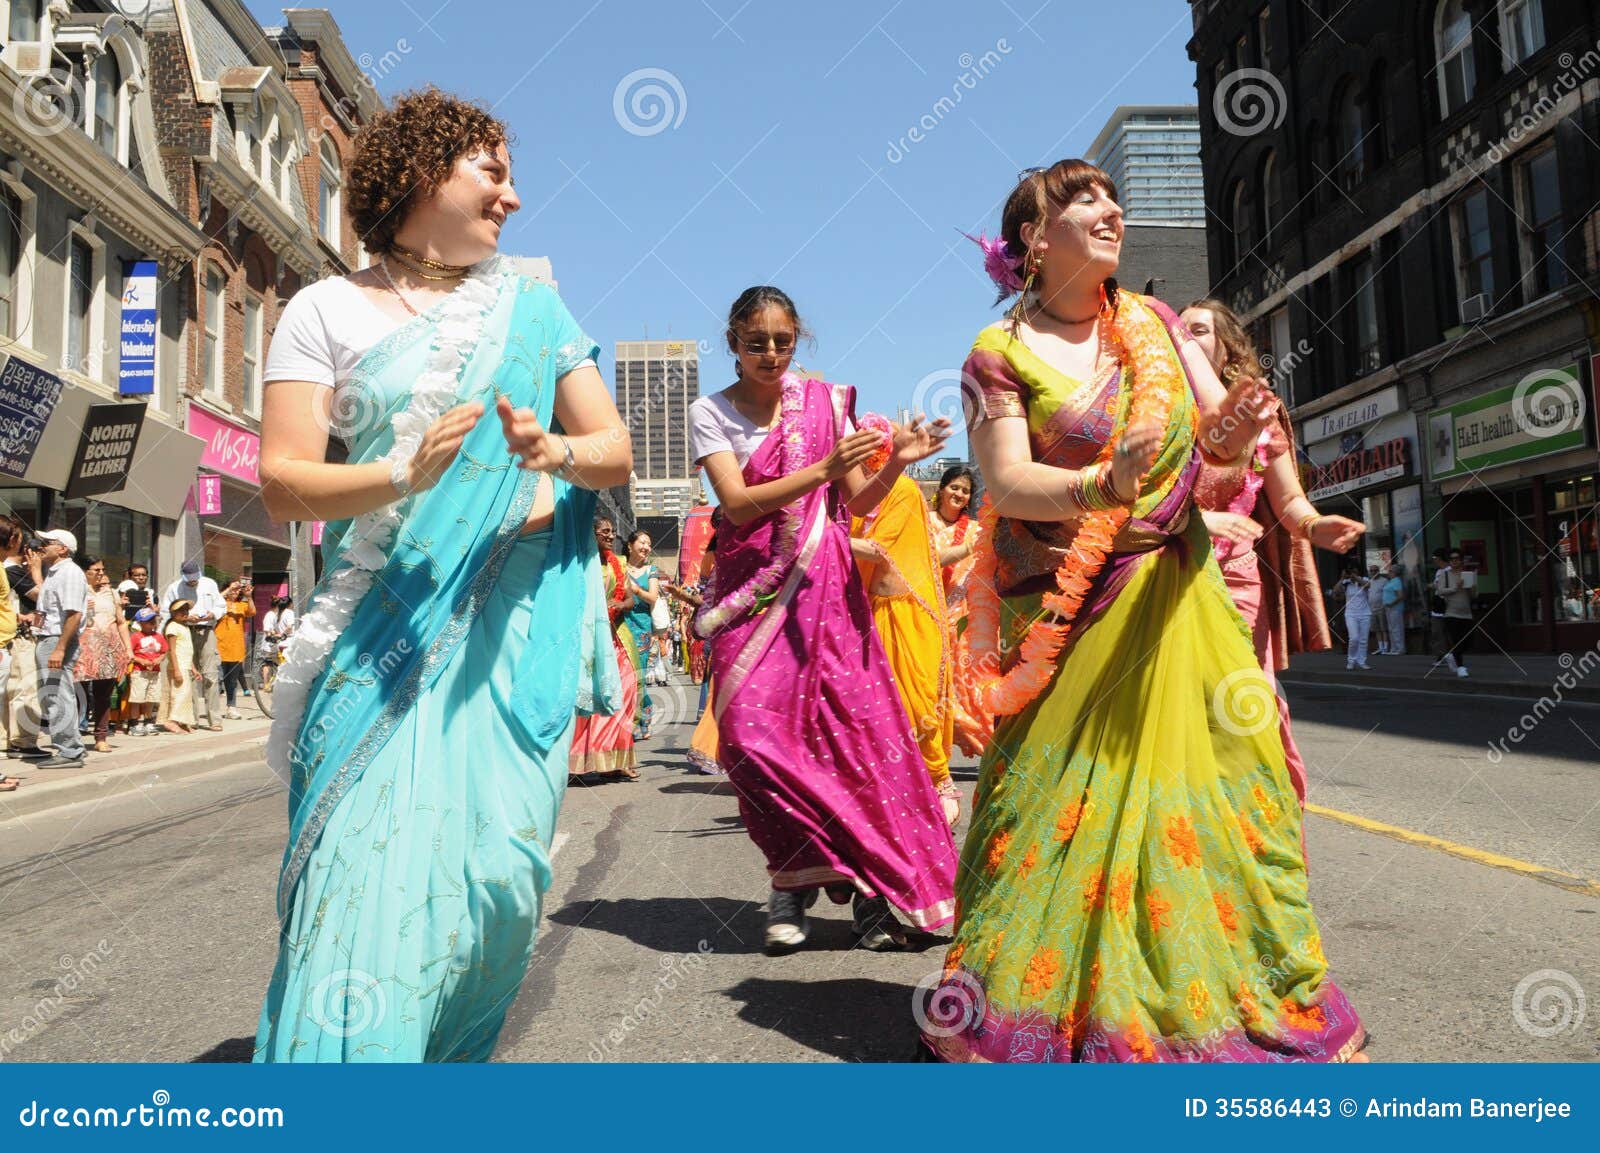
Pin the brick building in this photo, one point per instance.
(1402, 204)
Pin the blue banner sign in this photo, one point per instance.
(137, 376)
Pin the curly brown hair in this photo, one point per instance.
(1239, 354)
(408, 147)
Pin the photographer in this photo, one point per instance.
(21, 685)
(231, 647)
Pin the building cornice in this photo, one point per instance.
(256, 208)
(317, 26)
(81, 169)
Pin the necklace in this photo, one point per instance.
(436, 265)
(383, 270)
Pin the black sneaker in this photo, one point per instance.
(875, 925)
(26, 754)
(787, 923)
(60, 763)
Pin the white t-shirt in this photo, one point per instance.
(715, 425)
(325, 330)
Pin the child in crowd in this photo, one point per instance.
(144, 681)
(181, 673)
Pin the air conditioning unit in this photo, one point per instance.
(1474, 308)
(28, 57)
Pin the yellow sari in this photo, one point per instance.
(908, 608)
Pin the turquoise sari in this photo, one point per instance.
(428, 767)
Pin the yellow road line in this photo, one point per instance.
(1561, 880)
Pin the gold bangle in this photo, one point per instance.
(1307, 521)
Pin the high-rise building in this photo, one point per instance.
(1152, 152)
(656, 382)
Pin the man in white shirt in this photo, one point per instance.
(63, 599)
(209, 608)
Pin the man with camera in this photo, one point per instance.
(63, 599)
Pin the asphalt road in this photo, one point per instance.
(141, 927)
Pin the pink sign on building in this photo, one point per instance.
(230, 449)
(208, 494)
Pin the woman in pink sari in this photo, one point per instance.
(831, 785)
(1263, 525)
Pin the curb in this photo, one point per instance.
(38, 793)
(1452, 686)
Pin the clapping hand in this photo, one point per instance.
(919, 439)
(1336, 533)
(1244, 412)
(539, 449)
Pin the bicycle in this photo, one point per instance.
(261, 686)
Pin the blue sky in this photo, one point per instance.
(785, 154)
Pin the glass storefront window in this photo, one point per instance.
(1378, 541)
(1574, 548)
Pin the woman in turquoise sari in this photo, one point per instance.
(427, 700)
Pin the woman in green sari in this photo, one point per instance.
(1132, 887)
(427, 699)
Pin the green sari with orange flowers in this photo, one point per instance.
(1132, 886)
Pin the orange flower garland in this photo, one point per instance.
(1152, 373)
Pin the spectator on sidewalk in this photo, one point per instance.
(135, 590)
(276, 628)
(206, 608)
(63, 600)
(1394, 608)
(1357, 616)
(1456, 585)
(181, 671)
(102, 650)
(231, 648)
(144, 682)
(11, 537)
(1379, 636)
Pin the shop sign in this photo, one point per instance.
(1544, 413)
(1355, 415)
(1362, 468)
(28, 395)
(229, 449)
(208, 494)
(105, 449)
(136, 374)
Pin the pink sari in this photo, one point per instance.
(831, 784)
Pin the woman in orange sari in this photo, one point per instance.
(894, 550)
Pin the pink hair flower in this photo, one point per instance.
(999, 262)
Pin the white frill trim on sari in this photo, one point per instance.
(459, 324)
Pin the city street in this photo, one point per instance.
(1457, 893)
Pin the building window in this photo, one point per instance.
(1452, 37)
(252, 355)
(1264, 37)
(1350, 139)
(1241, 51)
(80, 303)
(10, 256)
(1283, 356)
(1244, 240)
(1474, 259)
(1377, 141)
(329, 206)
(1365, 321)
(216, 293)
(1271, 196)
(1541, 231)
(282, 171)
(25, 20)
(106, 84)
(1521, 28)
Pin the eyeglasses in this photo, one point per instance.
(780, 345)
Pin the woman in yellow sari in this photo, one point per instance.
(894, 550)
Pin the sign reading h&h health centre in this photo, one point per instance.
(137, 376)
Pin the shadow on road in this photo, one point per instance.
(673, 924)
(235, 1050)
(850, 1019)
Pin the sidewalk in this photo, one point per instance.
(134, 763)
(1527, 676)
